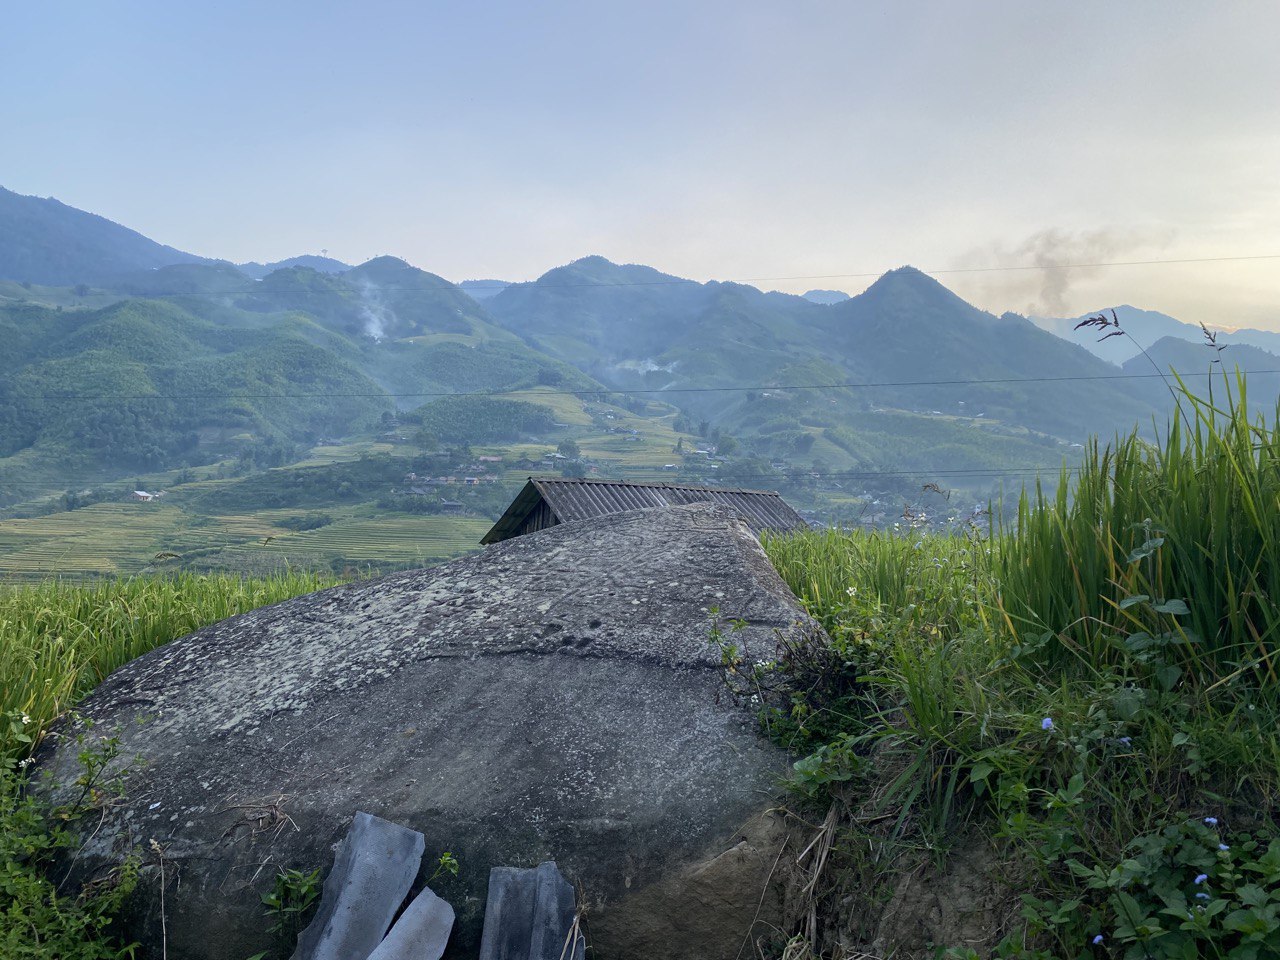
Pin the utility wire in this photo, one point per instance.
(1029, 470)
(880, 273)
(536, 392)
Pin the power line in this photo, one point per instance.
(1019, 469)
(880, 273)
(535, 392)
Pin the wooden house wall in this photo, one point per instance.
(539, 518)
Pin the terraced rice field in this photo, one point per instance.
(343, 453)
(118, 539)
(651, 450)
(395, 539)
(568, 408)
(107, 538)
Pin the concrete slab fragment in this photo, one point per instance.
(508, 914)
(374, 868)
(530, 916)
(421, 933)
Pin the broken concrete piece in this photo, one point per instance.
(508, 914)
(530, 916)
(554, 936)
(421, 933)
(372, 873)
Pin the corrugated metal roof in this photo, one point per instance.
(581, 499)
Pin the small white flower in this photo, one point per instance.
(26, 719)
(23, 764)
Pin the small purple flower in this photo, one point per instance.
(1202, 896)
(1223, 847)
(1098, 939)
(1046, 723)
(1211, 821)
(1126, 740)
(1201, 878)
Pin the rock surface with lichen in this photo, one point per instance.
(554, 696)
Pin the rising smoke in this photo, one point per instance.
(378, 317)
(1066, 259)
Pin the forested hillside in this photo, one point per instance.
(862, 409)
(212, 366)
(47, 242)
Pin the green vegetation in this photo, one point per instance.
(633, 328)
(137, 385)
(38, 919)
(196, 367)
(44, 241)
(1089, 694)
(483, 419)
(61, 640)
(386, 541)
(217, 368)
(1177, 546)
(353, 505)
(289, 904)
(126, 539)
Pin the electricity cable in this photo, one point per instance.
(608, 392)
(802, 474)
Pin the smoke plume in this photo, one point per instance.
(1065, 258)
(377, 316)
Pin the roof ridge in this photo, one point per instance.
(569, 499)
(606, 481)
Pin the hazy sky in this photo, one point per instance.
(725, 140)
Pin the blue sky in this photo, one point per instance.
(709, 139)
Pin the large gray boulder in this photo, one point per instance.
(554, 696)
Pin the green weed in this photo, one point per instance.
(38, 919)
(1084, 686)
(289, 904)
(59, 640)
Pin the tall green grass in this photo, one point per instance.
(1085, 686)
(58, 640)
(1178, 541)
(938, 582)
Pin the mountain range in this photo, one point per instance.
(43, 241)
(1147, 327)
(46, 242)
(124, 354)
